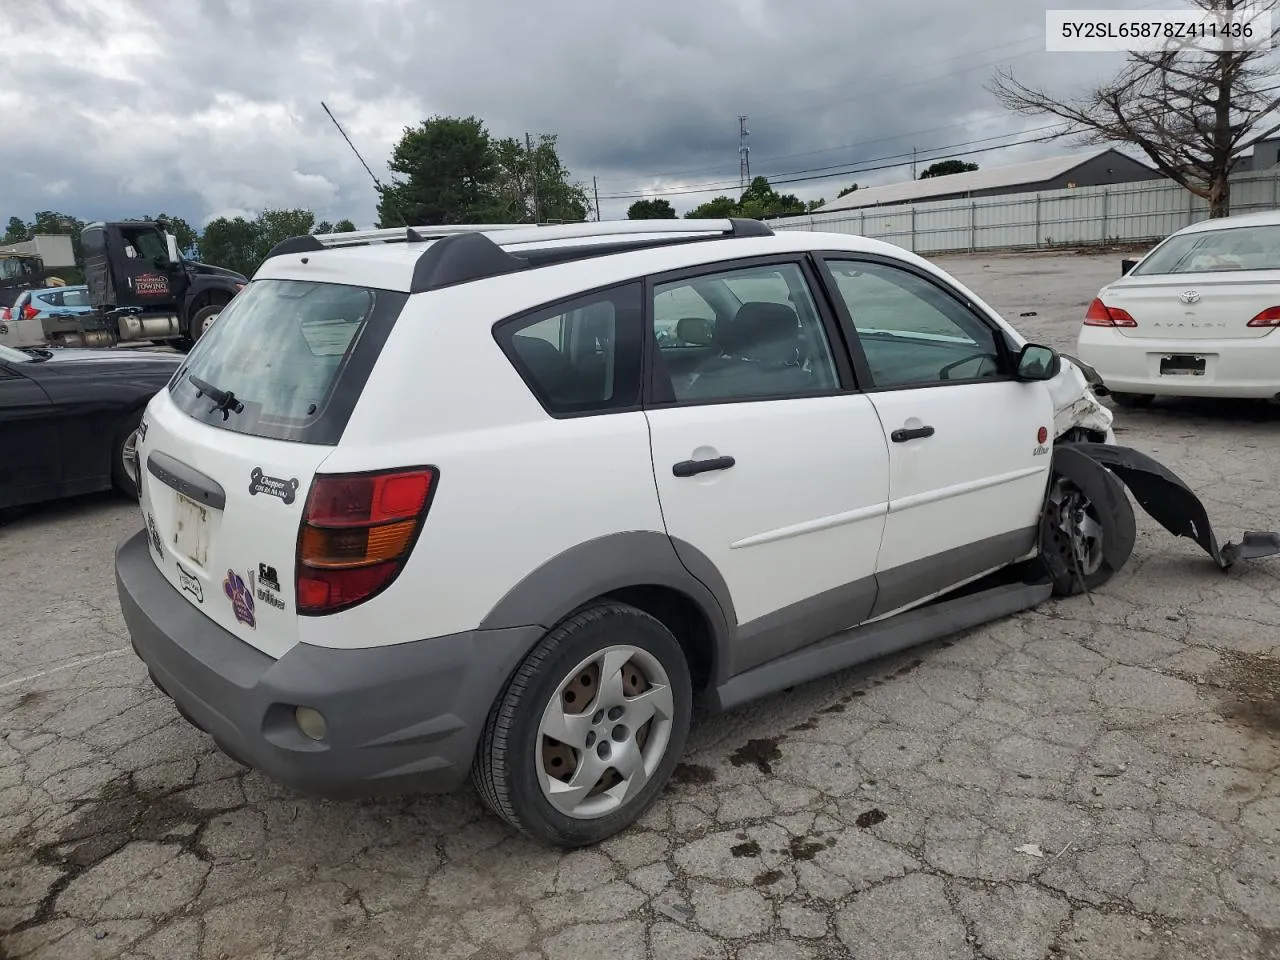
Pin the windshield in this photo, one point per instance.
(13, 356)
(18, 268)
(270, 363)
(1215, 251)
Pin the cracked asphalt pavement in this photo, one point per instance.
(1097, 778)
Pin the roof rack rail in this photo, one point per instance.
(464, 252)
(525, 232)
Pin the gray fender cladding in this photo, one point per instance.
(1107, 495)
(1173, 504)
(615, 562)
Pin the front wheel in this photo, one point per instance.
(1074, 537)
(589, 728)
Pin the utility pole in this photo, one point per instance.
(744, 155)
(595, 187)
(913, 163)
(533, 180)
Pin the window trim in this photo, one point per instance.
(823, 258)
(660, 395)
(504, 330)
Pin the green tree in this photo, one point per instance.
(444, 171)
(344, 226)
(533, 184)
(721, 206)
(651, 210)
(231, 243)
(847, 190)
(324, 226)
(16, 232)
(451, 170)
(242, 245)
(944, 168)
(757, 202)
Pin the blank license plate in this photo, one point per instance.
(191, 531)
(1182, 366)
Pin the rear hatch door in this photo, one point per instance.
(230, 448)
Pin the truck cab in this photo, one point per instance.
(142, 288)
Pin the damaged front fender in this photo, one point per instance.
(1075, 405)
(1172, 504)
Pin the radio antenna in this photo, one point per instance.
(382, 191)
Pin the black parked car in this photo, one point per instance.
(67, 419)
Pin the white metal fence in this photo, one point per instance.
(1145, 211)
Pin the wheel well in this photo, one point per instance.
(683, 618)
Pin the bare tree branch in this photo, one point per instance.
(1191, 112)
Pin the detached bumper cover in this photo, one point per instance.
(1172, 504)
(399, 718)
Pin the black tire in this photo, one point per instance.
(1134, 401)
(195, 329)
(505, 769)
(119, 477)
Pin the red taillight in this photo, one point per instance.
(1269, 317)
(1100, 315)
(29, 312)
(357, 531)
(6, 313)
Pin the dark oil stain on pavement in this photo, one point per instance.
(870, 818)
(768, 877)
(692, 773)
(121, 814)
(804, 848)
(748, 849)
(31, 698)
(1249, 691)
(762, 753)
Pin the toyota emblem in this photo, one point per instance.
(1189, 296)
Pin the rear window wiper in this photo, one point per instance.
(223, 400)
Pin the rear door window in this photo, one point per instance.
(581, 356)
(291, 355)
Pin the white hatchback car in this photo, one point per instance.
(432, 502)
(1194, 317)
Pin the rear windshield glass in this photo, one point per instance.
(273, 361)
(1216, 251)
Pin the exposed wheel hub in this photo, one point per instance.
(1077, 528)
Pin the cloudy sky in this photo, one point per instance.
(205, 108)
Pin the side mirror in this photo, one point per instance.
(695, 330)
(171, 243)
(1037, 362)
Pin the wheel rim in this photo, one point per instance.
(1077, 528)
(207, 322)
(129, 456)
(604, 732)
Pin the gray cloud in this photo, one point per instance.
(211, 107)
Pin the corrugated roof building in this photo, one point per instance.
(1053, 173)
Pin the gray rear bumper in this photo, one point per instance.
(400, 718)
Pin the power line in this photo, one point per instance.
(842, 170)
(878, 81)
(831, 176)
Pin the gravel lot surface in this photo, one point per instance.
(1087, 780)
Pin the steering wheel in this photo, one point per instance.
(945, 372)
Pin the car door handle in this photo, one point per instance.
(691, 468)
(915, 433)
